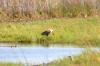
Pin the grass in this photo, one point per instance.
(75, 31)
(10, 64)
(86, 59)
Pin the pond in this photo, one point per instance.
(37, 54)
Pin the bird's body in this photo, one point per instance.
(47, 32)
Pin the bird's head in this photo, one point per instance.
(51, 30)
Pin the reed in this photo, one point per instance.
(18, 10)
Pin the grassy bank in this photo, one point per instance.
(10, 64)
(87, 59)
(77, 31)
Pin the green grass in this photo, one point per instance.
(10, 64)
(86, 59)
(76, 31)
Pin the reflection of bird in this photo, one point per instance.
(47, 32)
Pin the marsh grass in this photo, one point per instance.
(79, 31)
(44, 40)
(86, 59)
(10, 64)
(24, 10)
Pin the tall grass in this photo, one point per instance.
(86, 59)
(10, 64)
(11, 10)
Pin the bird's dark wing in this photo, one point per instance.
(45, 33)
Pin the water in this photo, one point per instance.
(37, 54)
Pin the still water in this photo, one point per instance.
(37, 54)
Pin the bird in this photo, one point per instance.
(47, 32)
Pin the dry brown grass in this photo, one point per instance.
(41, 9)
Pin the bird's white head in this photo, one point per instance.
(51, 30)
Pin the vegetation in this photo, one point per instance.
(76, 31)
(22, 21)
(10, 64)
(86, 59)
(19, 10)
